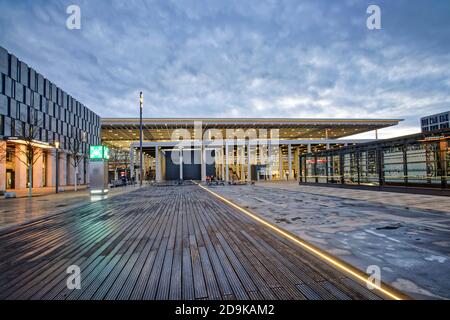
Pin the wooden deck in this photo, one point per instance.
(163, 243)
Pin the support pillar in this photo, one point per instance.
(51, 168)
(249, 162)
(37, 172)
(222, 164)
(296, 163)
(131, 163)
(158, 165)
(270, 160)
(242, 164)
(203, 163)
(62, 169)
(81, 172)
(291, 175)
(227, 162)
(20, 169)
(2, 166)
(280, 163)
(181, 164)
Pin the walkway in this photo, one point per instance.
(406, 235)
(163, 243)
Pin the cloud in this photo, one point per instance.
(240, 59)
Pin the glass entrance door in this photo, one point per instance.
(10, 179)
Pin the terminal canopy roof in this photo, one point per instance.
(125, 131)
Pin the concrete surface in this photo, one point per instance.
(406, 235)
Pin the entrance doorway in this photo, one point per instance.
(10, 179)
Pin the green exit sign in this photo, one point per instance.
(99, 153)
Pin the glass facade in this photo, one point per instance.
(32, 108)
(414, 161)
(28, 100)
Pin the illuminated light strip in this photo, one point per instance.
(33, 143)
(308, 247)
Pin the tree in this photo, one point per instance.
(126, 160)
(114, 159)
(119, 158)
(28, 135)
(76, 156)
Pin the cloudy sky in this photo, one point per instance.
(239, 58)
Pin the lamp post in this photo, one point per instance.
(57, 166)
(141, 102)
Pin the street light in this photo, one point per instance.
(141, 103)
(57, 166)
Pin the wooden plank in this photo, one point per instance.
(163, 243)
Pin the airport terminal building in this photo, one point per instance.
(240, 150)
(35, 113)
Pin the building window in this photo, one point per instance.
(2, 125)
(2, 87)
(13, 90)
(433, 128)
(10, 154)
(18, 72)
(443, 118)
(9, 65)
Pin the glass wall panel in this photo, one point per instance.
(321, 168)
(423, 164)
(393, 167)
(335, 167)
(350, 168)
(370, 164)
(447, 160)
(363, 178)
(310, 173)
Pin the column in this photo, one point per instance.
(269, 147)
(2, 166)
(81, 172)
(297, 162)
(131, 163)
(37, 171)
(71, 170)
(309, 148)
(227, 162)
(20, 169)
(280, 162)
(203, 163)
(222, 161)
(86, 170)
(181, 164)
(291, 175)
(62, 169)
(158, 165)
(249, 163)
(242, 164)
